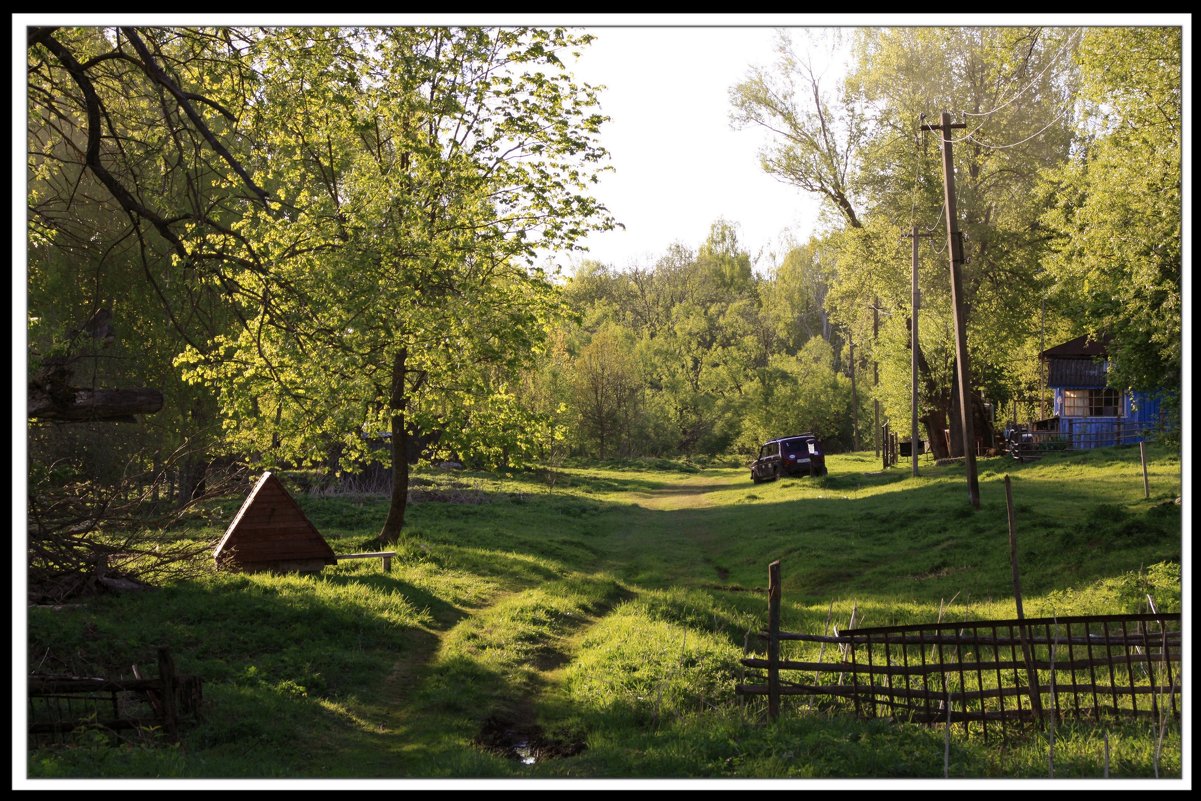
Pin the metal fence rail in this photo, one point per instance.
(989, 674)
(1025, 443)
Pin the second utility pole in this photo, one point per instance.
(955, 247)
(916, 303)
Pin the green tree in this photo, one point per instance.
(1013, 88)
(136, 170)
(146, 121)
(1116, 204)
(135, 166)
(817, 131)
(606, 391)
(794, 300)
(863, 152)
(418, 171)
(800, 393)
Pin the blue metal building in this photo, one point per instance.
(1088, 413)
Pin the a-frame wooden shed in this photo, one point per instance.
(270, 532)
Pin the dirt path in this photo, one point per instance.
(397, 715)
(693, 492)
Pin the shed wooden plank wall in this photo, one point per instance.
(270, 532)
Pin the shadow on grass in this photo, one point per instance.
(443, 614)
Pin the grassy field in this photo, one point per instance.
(587, 622)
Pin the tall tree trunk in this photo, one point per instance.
(982, 423)
(956, 424)
(390, 533)
(195, 462)
(854, 397)
(934, 419)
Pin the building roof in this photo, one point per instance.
(1079, 348)
(270, 528)
(1076, 373)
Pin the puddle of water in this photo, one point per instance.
(525, 752)
(525, 743)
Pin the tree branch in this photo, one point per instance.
(92, 154)
(155, 73)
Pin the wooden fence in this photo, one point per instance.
(59, 705)
(990, 675)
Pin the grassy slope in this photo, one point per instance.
(609, 608)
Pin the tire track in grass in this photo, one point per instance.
(475, 706)
(465, 691)
(672, 529)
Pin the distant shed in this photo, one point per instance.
(1089, 413)
(270, 532)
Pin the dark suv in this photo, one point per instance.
(800, 455)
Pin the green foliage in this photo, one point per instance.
(104, 297)
(607, 393)
(1094, 249)
(798, 394)
(997, 163)
(1115, 206)
(696, 355)
(408, 233)
(817, 133)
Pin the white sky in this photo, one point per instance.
(678, 165)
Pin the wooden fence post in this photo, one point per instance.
(1142, 457)
(166, 674)
(1035, 692)
(773, 640)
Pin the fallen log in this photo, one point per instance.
(85, 405)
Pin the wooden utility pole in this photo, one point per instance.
(955, 247)
(876, 373)
(854, 397)
(1042, 363)
(915, 304)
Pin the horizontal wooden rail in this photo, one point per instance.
(92, 702)
(949, 667)
(385, 555)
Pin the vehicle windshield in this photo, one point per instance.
(795, 445)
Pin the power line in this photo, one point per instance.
(1076, 34)
(917, 171)
(970, 135)
(943, 139)
(1039, 132)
